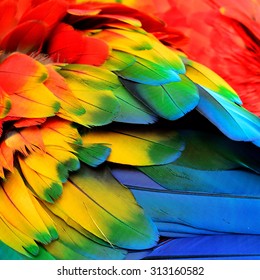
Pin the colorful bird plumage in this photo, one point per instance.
(221, 34)
(113, 141)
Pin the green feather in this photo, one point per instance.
(7, 253)
(131, 110)
(170, 101)
(92, 154)
(147, 72)
(118, 61)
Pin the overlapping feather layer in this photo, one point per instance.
(111, 140)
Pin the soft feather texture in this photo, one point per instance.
(112, 141)
(225, 247)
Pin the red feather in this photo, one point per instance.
(13, 79)
(49, 12)
(7, 18)
(27, 37)
(223, 35)
(72, 46)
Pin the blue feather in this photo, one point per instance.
(196, 200)
(233, 120)
(209, 247)
(220, 212)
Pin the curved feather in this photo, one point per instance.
(7, 253)
(236, 122)
(207, 78)
(139, 146)
(83, 245)
(194, 198)
(15, 40)
(89, 193)
(221, 105)
(131, 110)
(5, 103)
(223, 247)
(27, 207)
(14, 238)
(169, 100)
(200, 209)
(94, 96)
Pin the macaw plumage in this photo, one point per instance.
(221, 34)
(115, 145)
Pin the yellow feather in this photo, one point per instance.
(45, 165)
(18, 193)
(36, 102)
(49, 223)
(43, 187)
(134, 147)
(75, 205)
(14, 217)
(205, 77)
(16, 239)
(87, 200)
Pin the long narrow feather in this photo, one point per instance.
(222, 247)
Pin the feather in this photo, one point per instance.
(32, 42)
(147, 47)
(44, 187)
(25, 141)
(139, 147)
(150, 67)
(115, 144)
(208, 151)
(26, 206)
(6, 158)
(71, 46)
(82, 244)
(16, 230)
(119, 60)
(223, 37)
(92, 154)
(200, 209)
(222, 247)
(184, 178)
(87, 192)
(24, 101)
(69, 104)
(195, 197)
(102, 79)
(206, 78)
(7, 253)
(50, 12)
(5, 103)
(7, 20)
(132, 111)
(58, 155)
(236, 122)
(63, 252)
(170, 100)
(99, 102)
(27, 74)
(14, 238)
(221, 105)
(178, 229)
(24, 122)
(27, 104)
